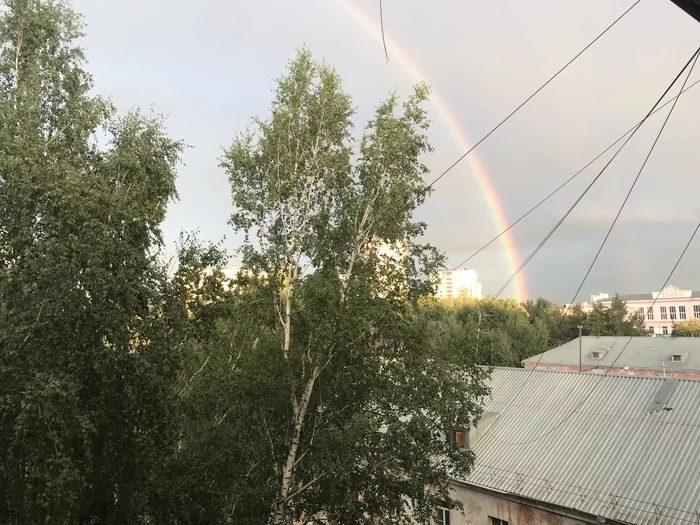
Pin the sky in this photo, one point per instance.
(210, 66)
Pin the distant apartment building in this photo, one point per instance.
(458, 283)
(659, 310)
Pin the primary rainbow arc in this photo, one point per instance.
(446, 115)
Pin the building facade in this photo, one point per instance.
(458, 283)
(493, 507)
(660, 310)
(567, 448)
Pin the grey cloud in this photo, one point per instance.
(211, 66)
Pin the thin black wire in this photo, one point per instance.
(587, 397)
(693, 60)
(573, 206)
(634, 183)
(465, 261)
(460, 159)
(381, 22)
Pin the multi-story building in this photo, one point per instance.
(458, 283)
(660, 310)
(570, 448)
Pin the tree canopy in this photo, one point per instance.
(689, 328)
(323, 382)
(356, 422)
(86, 403)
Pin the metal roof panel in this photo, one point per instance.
(589, 442)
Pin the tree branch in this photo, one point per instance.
(302, 489)
(17, 53)
(194, 375)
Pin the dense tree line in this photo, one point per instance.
(689, 328)
(320, 383)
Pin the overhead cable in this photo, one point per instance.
(592, 183)
(528, 99)
(566, 182)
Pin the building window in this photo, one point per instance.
(460, 438)
(663, 313)
(664, 330)
(681, 312)
(677, 357)
(595, 355)
(696, 311)
(640, 313)
(650, 314)
(497, 521)
(672, 311)
(442, 517)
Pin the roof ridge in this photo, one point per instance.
(586, 373)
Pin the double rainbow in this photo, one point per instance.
(477, 168)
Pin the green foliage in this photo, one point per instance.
(562, 326)
(493, 332)
(86, 366)
(318, 384)
(321, 381)
(613, 320)
(689, 328)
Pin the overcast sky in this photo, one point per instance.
(210, 66)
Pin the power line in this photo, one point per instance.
(560, 187)
(460, 159)
(578, 200)
(381, 22)
(693, 60)
(634, 183)
(579, 405)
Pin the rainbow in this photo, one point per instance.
(488, 191)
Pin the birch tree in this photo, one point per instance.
(366, 400)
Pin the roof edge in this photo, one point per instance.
(585, 373)
(568, 512)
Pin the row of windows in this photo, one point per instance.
(672, 313)
(443, 518)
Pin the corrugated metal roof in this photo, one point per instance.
(642, 353)
(590, 442)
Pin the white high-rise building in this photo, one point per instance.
(458, 283)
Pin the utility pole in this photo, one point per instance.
(580, 348)
(478, 333)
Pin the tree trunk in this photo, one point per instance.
(17, 54)
(299, 417)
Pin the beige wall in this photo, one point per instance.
(479, 506)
